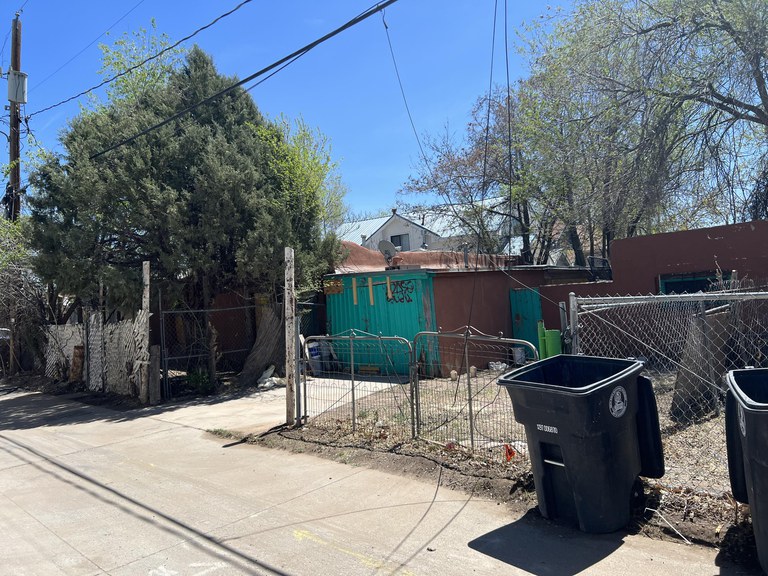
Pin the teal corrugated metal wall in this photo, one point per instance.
(410, 309)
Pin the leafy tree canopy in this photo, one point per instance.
(210, 199)
(637, 117)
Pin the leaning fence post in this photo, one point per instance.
(352, 376)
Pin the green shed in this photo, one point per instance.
(386, 303)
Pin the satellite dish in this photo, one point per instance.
(388, 250)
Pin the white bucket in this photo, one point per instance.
(518, 355)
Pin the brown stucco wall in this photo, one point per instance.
(491, 313)
(638, 262)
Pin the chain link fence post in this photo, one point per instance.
(573, 306)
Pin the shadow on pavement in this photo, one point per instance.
(540, 547)
(543, 548)
(738, 545)
(21, 409)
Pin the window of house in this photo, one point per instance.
(401, 241)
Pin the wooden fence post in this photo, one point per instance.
(144, 347)
(290, 339)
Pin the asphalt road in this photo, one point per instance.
(87, 491)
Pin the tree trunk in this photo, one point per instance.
(210, 333)
(269, 347)
(525, 221)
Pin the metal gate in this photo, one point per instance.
(458, 401)
(359, 382)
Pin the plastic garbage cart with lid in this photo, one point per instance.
(746, 426)
(592, 427)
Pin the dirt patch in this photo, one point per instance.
(421, 460)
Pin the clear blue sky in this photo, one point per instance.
(346, 87)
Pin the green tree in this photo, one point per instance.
(13, 250)
(130, 51)
(702, 63)
(204, 198)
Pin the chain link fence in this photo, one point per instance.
(201, 346)
(688, 343)
(60, 348)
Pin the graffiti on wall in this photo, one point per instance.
(401, 291)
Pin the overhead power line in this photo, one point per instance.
(2, 50)
(60, 68)
(402, 90)
(143, 62)
(276, 66)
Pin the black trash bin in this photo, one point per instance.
(592, 428)
(746, 422)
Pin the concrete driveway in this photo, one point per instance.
(87, 491)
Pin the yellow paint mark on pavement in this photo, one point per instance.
(366, 561)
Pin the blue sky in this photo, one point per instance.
(346, 87)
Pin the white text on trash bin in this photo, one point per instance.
(618, 402)
(545, 428)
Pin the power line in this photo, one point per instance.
(274, 68)
(140, 64)
(59, 69)
(402, 91)
(483, 181)
(2, 50)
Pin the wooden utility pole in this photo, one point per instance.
(15, 183)
(290, 340)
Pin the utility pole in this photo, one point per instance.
(14, 100)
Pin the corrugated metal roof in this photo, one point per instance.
(440, 221)
(354, 231)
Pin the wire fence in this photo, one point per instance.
(687, 343)
(358, 383)
(441, 388)
(199, 346)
